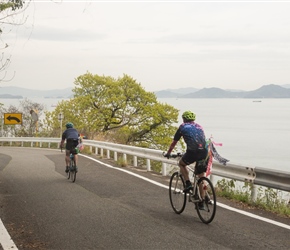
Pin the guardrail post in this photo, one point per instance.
(108, 153)
(135, 162)
(254, 193)
(148, 164)
(22, 144)
(40, 144)
(125, 157)
(115, 156)
(102, 152)
(211, 178)
(31, 144)
(164, 167)
(10, 143)
(96, 150)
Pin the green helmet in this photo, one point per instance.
(69, 125)
(188, 115)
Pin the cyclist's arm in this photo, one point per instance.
(176, 138)
(62, 140)
(171, 147)
(61, 145)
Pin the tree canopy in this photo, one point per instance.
(11, 4)
(8, 9)
(118, 110)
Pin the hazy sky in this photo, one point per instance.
(161, 44)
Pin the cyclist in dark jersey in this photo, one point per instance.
(194, 138)
(71, 136)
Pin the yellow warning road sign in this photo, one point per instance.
(12, 118)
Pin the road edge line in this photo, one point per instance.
(6, 241)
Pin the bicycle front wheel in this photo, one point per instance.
(176, 195)
(207, 208)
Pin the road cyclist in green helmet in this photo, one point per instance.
(196, 147)
(72, 138)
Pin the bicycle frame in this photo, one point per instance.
(192, 195)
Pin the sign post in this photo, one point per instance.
(2, 124)
(34, 117)
(60, 118)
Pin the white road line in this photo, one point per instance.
(5, 239)
(219, 204)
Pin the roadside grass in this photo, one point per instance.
(266, 198)
(122, 163)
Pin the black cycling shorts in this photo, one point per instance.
(71, 144)
(197, 156)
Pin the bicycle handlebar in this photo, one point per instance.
(173, 155)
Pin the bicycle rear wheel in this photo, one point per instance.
(70, 167)
(73, 172)
(207, 212)
(73, 175)
(176, 195)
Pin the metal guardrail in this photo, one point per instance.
(264, 177)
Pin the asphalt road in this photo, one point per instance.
(109, 208)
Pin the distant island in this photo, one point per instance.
(7, 96)
(266, 91)
(20, 93)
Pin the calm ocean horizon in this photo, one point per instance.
(254, 132)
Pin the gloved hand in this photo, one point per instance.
(167, 155)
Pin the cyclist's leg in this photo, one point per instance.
(184, 170)
(201, 190)
(200, 171)
(76, 162)
(185, 173)
(187, 159)
(67, 153)
(76, 159)
(75, 155)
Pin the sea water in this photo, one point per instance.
(254, 133)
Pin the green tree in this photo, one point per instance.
(11, 4)
(8, 9)
(118, 110)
